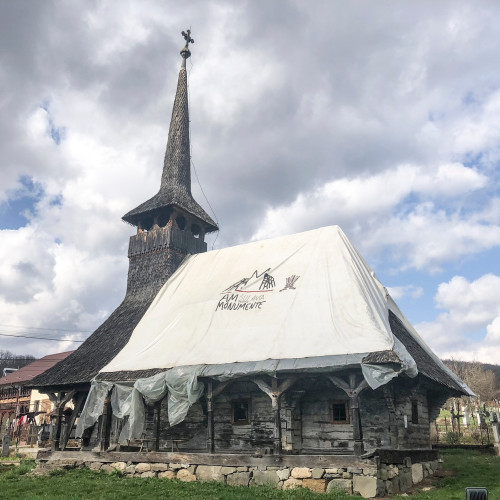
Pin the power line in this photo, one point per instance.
(43, 328)
(192, 162)
(39, 338)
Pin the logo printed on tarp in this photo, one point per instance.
(244, 296)
(290, 281)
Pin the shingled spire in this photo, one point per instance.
(174, 196)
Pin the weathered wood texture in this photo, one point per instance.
(305, 416)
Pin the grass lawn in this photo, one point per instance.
(467, 468)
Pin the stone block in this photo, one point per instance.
(142, 467)
(228, 470)
(130, 469)
(369, 471)
(417, 474)
(168, 474)
(340, 484)
(192, 468)
(265, 477)
(333, 471)
(96, 466)
(383, 474)
(159, 467)
(292, 484)
(239, 479)
(394, 485)
(283, 474)
(185, 476)
(392, 472)
(107, 468)
(405, 480)
(354, 470)
(317, 473)
(209, 473)
(147, 474)
(366, 486)
(121, 466)
(176, 466)
(346, 475)
(301, 472)
(407, 462)
(317, 485)
(242, 469)
(333, 476)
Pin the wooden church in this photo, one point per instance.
(281, 362)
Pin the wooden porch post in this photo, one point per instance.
(57, 438)
(79, 399)
(59, 402)
(356, 417)
(275, 392)
(156, 425)
(106, 424)
(212, 393)
(210, 419)
(275, 401)
(353, 391)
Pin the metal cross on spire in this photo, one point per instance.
(185, 52)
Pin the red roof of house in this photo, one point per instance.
(28, 372)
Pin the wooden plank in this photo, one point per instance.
(80, 398)
(238, 460)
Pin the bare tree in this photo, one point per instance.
(480, 380)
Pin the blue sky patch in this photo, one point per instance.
(14, 213)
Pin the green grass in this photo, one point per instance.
(468, 468)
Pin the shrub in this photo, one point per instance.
(452, 437)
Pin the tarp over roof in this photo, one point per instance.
(302, 301)
(305, 302)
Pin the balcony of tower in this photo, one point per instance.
(180, 232)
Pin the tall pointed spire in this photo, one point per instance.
(175, 188)
(177, 164)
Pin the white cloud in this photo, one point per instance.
(398, 292)
(470, 307)
(386, 123)
(420, 236)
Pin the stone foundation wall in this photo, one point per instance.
(370, 481)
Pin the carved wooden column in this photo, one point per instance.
(57, 437)
(106, 424)
(210, 419)
(356, 417)
(59, 402)
(275, 401)
(353, 391)
(212, 393)
(156, 425)
(275, 392)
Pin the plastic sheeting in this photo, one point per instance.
(127, 401)
(93, 406)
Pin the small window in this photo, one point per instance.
(339, 412)
(241, 412)
(414, 412)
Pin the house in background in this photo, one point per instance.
(21, 404)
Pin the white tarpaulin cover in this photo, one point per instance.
(301, 296)
(302, 302)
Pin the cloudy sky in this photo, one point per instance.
(381, 117)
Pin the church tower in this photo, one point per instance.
(171, 224)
